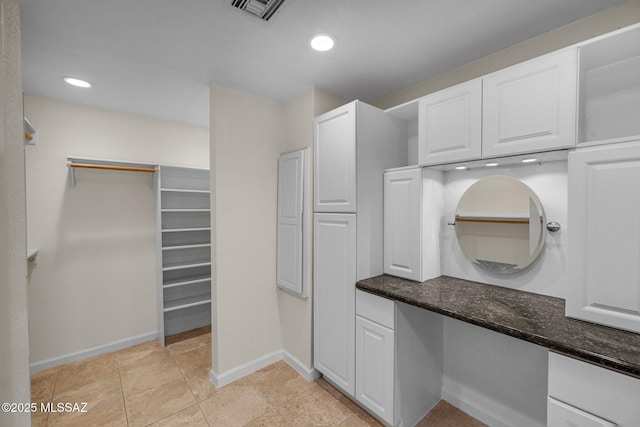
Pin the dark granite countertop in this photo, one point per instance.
(531, 317)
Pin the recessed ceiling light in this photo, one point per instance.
(77, 82)
(529, 160)
(461, 168)
(322, 42)
(491, 164)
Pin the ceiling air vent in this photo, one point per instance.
(263, 9)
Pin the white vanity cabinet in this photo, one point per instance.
(585, 395)
(604, 240)
(375, 354)
(530, 106)
(413, 205)
(450, 123)
(353, 145)
(398, 359)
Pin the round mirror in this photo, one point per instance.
(499, 224)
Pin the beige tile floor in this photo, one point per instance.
(147, 385)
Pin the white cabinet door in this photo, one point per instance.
(531, 106)
(604, 244)
(334, 244)
(335, 160)
(291, 230)
(375, 349)
(560, 414)
(449, 124)
(402, 219)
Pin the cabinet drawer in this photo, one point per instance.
(560, 414)
(601, 392)
(376, 309)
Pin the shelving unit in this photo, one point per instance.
(610, 88)
(184, 250)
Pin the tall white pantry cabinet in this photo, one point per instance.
(353, 145)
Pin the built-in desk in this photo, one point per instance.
(531, 317)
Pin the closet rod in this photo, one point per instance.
(110, 167)
(494, 221)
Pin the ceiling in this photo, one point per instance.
(158, 57)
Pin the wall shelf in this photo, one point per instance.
(191, 281)
(184, 250)
(186, 303)
(185, 266)
(175, 248)
(182, 190)
(181, 230)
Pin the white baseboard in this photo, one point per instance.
(220, 380)
(485, 410)
(231, 375)
(309, 374)
(94, 351)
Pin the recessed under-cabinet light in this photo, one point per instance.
(461, 168)
(77, 82)
(529, 160)
(491, 164)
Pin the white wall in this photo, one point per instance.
(595, 25)
(498, 379)
(548, 274)
(246, 139)
(95, 282)
(14, 338)
(296, 312)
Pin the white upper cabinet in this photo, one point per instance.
(335, 160)
(604, 244)
(413, 208)
(531, 106)
(450, 124)
(402, 223)
(610, 88)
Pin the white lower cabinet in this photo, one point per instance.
(375, 354)
(398, 359)
(374, 367)
(334, 260)
(585, 395)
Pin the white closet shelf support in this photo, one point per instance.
(116, 165)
